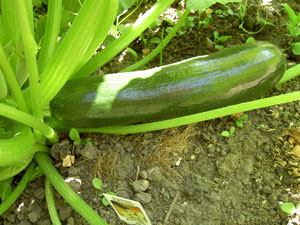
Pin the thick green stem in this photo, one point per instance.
(163, 44)
(19, 189)
(208, 115)
(51, 203)
(11, 80)
(290, 74)
(30, 49)
(69, 54)
(121, 43)
(66, 192)
(51, 33)
(29, 120)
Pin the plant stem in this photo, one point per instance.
(74, 46)
(65, 191)
(51, 33)
(121, 43)
(29, 120)
(158, 49)
(290, 74)
(208, 115)
(19, 189)
(30, 49)
(51, 203)
(11, 80)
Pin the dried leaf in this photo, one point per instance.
(294, 133)
(296, 151)
(68, 161)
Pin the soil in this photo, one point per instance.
(192, 172)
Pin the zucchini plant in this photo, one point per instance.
(33, 73)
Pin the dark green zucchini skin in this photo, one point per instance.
(231, 76)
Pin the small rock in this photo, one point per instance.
(33, 217)
(74, 183)
(24, 222)
(140, 185)
(65, 212)
(267, 189)
(154, 174)
(39, 193)
(90, 152)
(46, 222)
(70, 221)
(247, 167)
(227, 165)
(143, 174)
(284, 198)
(143, 197)
(125, 167)
(73, 171)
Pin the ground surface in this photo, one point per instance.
(237, 180)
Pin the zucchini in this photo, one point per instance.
(233, 75)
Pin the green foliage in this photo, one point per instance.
(124, 5)
(77, 140)
(294, 22)
(97, 183)
(250, 40)
(240, 120)
(243, 8)
(5, 188)
(220, 40)
(230, 133)
(289, 208)
(294, 27)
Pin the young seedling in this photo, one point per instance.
(294, 27)
(229, 133)
(220, 40)
(97, 183)
(74, 135)
(240, 120)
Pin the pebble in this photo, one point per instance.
(140, 185)
(70, 221)
(33, 217)
(64, 212)
(39, 193)
(90, 152)
(154, 174)
(143, 197)
(144, 174)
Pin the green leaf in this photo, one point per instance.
(296, 48)
(97, 183)
(5, 188)
(250, 39)
(155, 40)
(225, 133)
(291, 13)
(223, 39)
(155, 23)
(74, 135)
(124, 5)
(198, 5)
(88, 141)
(135, 55)
(105, 202)
(287, 207)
